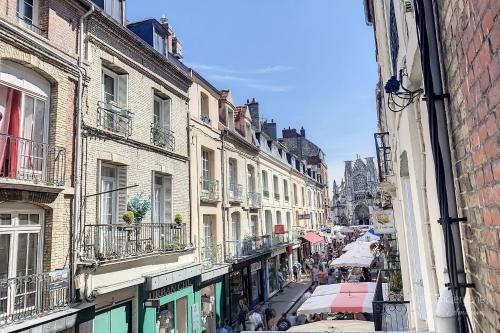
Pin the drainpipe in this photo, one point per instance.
(77, 148)
(456, 320)
(223, 189)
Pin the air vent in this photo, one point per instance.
(408, 7)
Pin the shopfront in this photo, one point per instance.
(272, 275)
(211, 306)
(256, 283)
(169, 306)
(238, 289)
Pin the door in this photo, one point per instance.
(205, 172)
(115, 320)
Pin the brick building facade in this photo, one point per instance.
(470, 42)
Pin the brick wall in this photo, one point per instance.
(470, 42)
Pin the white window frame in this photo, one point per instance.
(208, 224)
(35, 19)
(14, 230)
(158, 42)
(165, 112)
(235, 226)
(114, 194)
(162, 187)
(110, 9)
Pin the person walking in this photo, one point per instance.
(268, 313)
(283, 323)
(256, 319)
(293, 318)
(281, 281)
(295, 271)
(242, 314)
(314, 273)
(271, 326)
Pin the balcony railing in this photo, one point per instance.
(28, 23)
(209, 189)
(235, 192)
(162, 137)
(35, 162)
(104, 242)
(254, 200)
(31, 296)
(383, 155)
(390, 310)
(238, 249)
(276, 196)
(287, 198)
(210, 255)
(280, 239)
(266, 193)
(114, 119)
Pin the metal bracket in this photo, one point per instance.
(461, 285)
(450, 220)
(438, 97)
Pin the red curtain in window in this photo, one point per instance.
(10, 109)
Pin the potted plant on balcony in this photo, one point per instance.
(179, 220)
(139, 207)
(129, 218)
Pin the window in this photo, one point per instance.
(254, 220)
(278, 217)
(251, 178)
(158, 42)
(276, 187)
(113, 8)
(205, 164)
(114, 88)
(113, 203)
(233, 172)
(230, 118)
(20, 254)
(162, 198)
(269, 222)
(27, 11)
(205, 113)
(285, 189)
(235, 226)
(207, 230)
(303, 197)
(288, 221)
(265, 184)
(295, 195)
(161, 112)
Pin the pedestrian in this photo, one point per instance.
(315, 272)
(268, 313)
(283, 324)
(256, 319)
(295, 271)
(331, 277)
(271, 326)
(293, 318)
(306, 295)
(281, 281)
(242, 314)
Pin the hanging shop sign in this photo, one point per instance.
(163, 291)
(279, 229)
(255, 266)
(383, 221)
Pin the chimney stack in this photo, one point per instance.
(302, 132)
(253, 107)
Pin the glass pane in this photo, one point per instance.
(29, 106)
(22, 246)
(109, 89)
(165, 319)
(156, 112)
(5, 219)
(32, 254)
(28, 10)
(23, 219)
(34, 219)
(4, 257)
(39, 121)
(181, 315)
(108, 172)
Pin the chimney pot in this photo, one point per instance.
(163, 19)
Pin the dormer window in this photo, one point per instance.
(158, 42)
(113, 8)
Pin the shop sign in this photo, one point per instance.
(279, 229)
(383, 221)
(255, 266)
(152, 303)
(304, 216)
(59, 279)
(163, 291)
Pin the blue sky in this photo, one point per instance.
(309, 63)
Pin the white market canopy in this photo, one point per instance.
(343, 297)
(357, 244)
(368, 236)
(356, 256)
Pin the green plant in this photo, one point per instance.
(139, 206)
(178, 218)
(396, 282)
(128, 217)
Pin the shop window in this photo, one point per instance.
(115, 320)
(208, 313)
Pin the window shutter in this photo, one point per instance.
(168, 199)
(123, 90)
(122, 194)
(167, 110)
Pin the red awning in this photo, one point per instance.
(313, 238)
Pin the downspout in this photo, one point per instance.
(190, 190)
(456, 320)
(223, 189)
(75, 226)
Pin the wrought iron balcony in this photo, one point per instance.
(390, 310)
(31, 296)
(254, 200)
(287, 198)
(238, 249)
(209, 190)
(162, 137)
(276, 196)
(114, 119)
(235, 192)
(103, 242)
(280, 239)
(28, 23)
(383, 151)
(30, 161)
(266, 193)
(210, 255)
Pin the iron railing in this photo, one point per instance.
(276, 196)
(31, 296)
(383, 151)
(27, 22)
(390, 310)
(210, 255)
(104, 242)
(237, 249)
(114, 119)
(162, 137)
(287, 198)
(209, 189)
(235, 192)
(35, 162)
(254, 200)
(280, 239)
